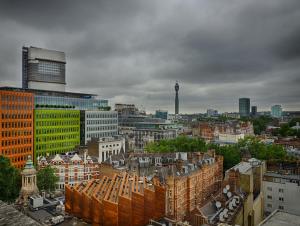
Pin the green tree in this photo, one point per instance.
(46, 179)
(10, 180)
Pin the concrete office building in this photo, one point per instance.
(16, 126)
(43, 69)
(98, 124)
(276, 111)
(244, 106)
(104, 148)
(281, 191)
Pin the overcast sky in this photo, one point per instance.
(134, 51)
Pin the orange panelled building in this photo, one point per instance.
(16, 126)
(120, 200)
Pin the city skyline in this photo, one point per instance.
(133, 51)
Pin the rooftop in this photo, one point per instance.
(279, 218)
(11, 216)
(48, 92)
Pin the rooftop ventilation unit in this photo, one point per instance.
(229, 194)
(218, 205)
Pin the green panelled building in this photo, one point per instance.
(55, 131)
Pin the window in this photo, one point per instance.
(280, 190)
(281, 199)
(269, 188)
(269, 205)
(280, 207)
(269, 197)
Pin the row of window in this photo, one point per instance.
(279, 190)
(58, 123)
(16, 116)
(62, 115)
(56, 137)
(93, 122)
(16, 107)
(20, 124)
(270, 198)
(57, 130)
(101, 134)
(16, 142)
(101, 128)
(279, 207)
(58, 146)
(17, 151)
(14, 98)
(14, 133)
(102, 115)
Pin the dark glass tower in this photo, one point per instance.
(244, 107)
(176, 98)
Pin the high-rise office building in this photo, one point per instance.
(16, 126)
(176, 98)
(253, 110)
(43, 69)
(276, 111)
(244, 106)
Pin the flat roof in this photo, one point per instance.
(279, 218)
(47, 92)
(11, 216)
(284, 176)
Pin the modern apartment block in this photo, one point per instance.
(43, 69)
(98, 124)
(56, 131)
(16, 126)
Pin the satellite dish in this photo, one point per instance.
(229, 194)
(227, 187)
(221, 217)
(224, 190)
(218, 205)
(233, 203)
(230, 206)
(225, 213)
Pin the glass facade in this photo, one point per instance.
(53, 102)
(47, 71)
(244, 106)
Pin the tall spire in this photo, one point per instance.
(176, 98)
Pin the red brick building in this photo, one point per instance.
(120, 200)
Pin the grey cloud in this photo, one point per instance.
(134, 51)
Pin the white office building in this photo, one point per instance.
(98, 124)
(104, 148)
(281, 191)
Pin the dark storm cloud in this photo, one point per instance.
(135, 50)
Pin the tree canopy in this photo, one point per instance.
(46, 179)
(232, 153)
(10, 180)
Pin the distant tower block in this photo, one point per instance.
(176, 98)
(29, 185)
